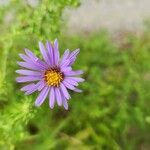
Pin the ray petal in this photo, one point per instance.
(42, 96)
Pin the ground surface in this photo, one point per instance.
(114, 15)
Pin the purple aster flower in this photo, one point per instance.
(52, 76)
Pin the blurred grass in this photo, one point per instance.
(113, 111)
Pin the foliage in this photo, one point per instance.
(113, 111)
(22, 25)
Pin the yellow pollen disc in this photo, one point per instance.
(53, 77)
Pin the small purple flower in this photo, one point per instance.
(51, 77)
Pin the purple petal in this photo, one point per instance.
(56, 52)
(73, 73)
(58, 96)
(29, 66)
(66, 63)
(52, 98)
(42, 85)
(34, 88)
(69, 86)
(28, 72)
(56, 44)
(71, 81)
(31, 55)
(65, 69)
(74, 53)
(28, 87)
(50, 52)
(25, 58)
(42, 96)
(65, 56)
(73, 56)
(72, 60)
(36, 64)
(77, 79)
(41, 64)
(64, 91)
(28, 78)
(77, 90)
(65, 103)
(43, 52)
(33, 59)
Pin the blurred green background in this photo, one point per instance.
(113, 111)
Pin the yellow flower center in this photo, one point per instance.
(53, 77)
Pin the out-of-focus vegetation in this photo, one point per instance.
(113, 111)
